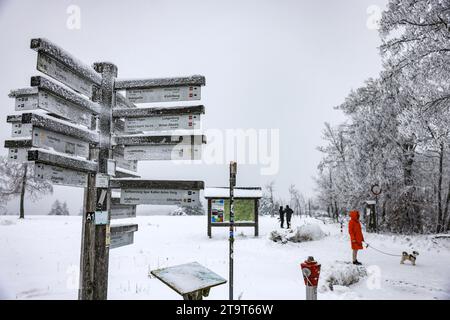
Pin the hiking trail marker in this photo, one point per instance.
(79, 130)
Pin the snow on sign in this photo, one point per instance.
(164, 94)
(171, 122)
(130, 165)
(53, 98)
(18, 154)
(60, 176)
(163, 89)
(171, 147)
(163, 152)
(61, 66)
(159, 119)
(188, 278)
(60, 72)
(122, 235)
(51, 140)
(160, 197)
(19, 130)
(121, 211)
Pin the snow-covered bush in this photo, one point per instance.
(179, 211)
(306, 232)
(197, 210)
(340, 274)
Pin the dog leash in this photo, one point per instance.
(388, 254)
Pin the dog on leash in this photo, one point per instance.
(411, 257)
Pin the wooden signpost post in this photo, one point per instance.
(92, 136)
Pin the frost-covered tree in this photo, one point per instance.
(197, 210)
(59, 209)
(18, 180)
(268, 204)
(397, 128)
(297, 201)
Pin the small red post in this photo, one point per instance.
(311, 273)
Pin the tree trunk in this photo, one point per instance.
(439, 222)
(22, 191)
(446, 213)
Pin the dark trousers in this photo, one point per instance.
(282, 221)
(288, 222)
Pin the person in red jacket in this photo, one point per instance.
(356, 236)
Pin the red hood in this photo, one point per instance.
(354, 215)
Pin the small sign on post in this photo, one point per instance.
(162, 89)
(122, 235)
(167, 147)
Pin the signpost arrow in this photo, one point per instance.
(160, 119)
(162, 89)
(158, 192)
(59, 126)
(62, 161)
(120, 211)
(166, 147)
(122, 235)
(62, 66)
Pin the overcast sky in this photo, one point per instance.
(268, 65)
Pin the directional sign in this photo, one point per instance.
(60, 176)
(159, 119)
(162, 123)
(121, 163)
(164, 94)
(62, 66)
(163, 89)
(60, 126)
(21, 130)
(122, 235)
(163, 152)
(160, 197)
(122, 102)
(121, 211)
(49, 133)
(53, 98)
(150, 147)
(63, 161)
(59, 142)
(18, 154)
(159, 192)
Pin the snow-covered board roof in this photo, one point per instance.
(239, 192)
(188, 278)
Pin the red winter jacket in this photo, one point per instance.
(354, 229)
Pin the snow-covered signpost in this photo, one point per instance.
(86, 135)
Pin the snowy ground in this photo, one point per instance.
(39, 259)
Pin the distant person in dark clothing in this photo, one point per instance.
(281, 211)
(289, 213)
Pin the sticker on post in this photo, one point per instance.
(101, 180)
(111, 167)
(101, 217)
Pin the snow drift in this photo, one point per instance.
(341, 274)
(306, 232)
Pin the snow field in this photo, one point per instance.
(39, 259)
